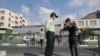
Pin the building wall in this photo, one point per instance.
(9, 19)
(91, 23)
(86, 23)
(35, 29)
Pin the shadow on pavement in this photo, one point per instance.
(93, 49)
(30, 54)
(53, 54)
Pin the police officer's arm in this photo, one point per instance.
(47, 25)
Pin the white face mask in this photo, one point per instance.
(68, 24)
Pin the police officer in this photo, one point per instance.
(72, 28)
(50, 30)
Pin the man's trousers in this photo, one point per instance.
(50, 43)
(73, 46)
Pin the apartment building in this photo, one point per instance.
(9, 19)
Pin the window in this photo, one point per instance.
(16, 17)
(12, 21)
(23, 20)
(99, 22)
(23, 25)
(12, 16)
(2, 12)
(20, 25)
(9, 25)
(9, 14)
(16, 22)
(20, 21)
(93, 23)
(81, 23)
(96, 38)
(86, 23)
(1, 24)
(92, 38)
(9, 19)
(20, 17)
(2, 17)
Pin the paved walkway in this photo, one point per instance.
(37, 51)
(55, 54)
(2, 53)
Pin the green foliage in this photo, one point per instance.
(8, 32)
(87, 32)
(29, 33)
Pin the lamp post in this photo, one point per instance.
(99, 42)
(79, 32)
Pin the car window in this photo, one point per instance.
(92, 38)
(96, 38)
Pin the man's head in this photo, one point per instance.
(53, 15)
(74, 23)
(41, 29)
(67, 20)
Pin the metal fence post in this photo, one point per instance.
(99, 43)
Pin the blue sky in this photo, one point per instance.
(37, 11)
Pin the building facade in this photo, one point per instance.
(9, 19)
(88, 23)
(91, 20)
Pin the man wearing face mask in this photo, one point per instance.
(50, 30)
(72, 28)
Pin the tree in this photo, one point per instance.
(8, 32)
(29, 33)
(87, 32)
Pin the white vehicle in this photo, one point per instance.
(93, 40)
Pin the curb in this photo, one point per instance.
(21, 45)
(5, 44)
(88, 45)
(18, 45)
(70, 54)
(3, 53)
(25, 45)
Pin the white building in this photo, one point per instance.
(91, 20)
(88, 23)
(9, 19)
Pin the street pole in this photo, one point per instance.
(99, 43)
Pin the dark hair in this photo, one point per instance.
(68, 19)
(41, 29)
(53, 14)
(74, 23)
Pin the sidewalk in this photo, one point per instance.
(8, 44)
(37, 51)
(55, 54)
(2, 53)
(68, 54)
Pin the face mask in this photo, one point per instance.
(68, 24)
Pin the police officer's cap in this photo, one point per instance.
(53, 14)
